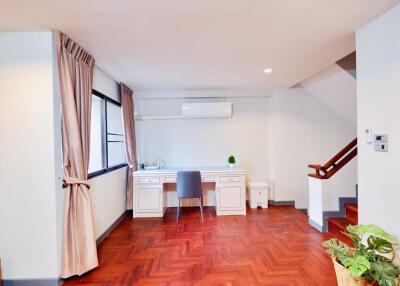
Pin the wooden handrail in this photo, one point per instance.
(336, 163)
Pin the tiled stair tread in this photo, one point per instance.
(340, 222)
(352, 213)
(351, 207)
(336, 226)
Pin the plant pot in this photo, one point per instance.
(232, 165)
(344, 277)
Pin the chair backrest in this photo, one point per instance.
(188, 184)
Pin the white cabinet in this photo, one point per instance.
(229, 198)
(231, 193)
(149, 199)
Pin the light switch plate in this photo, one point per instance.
(381, 143)
(368, 135)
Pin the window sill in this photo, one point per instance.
(105, 171)
(101, 172)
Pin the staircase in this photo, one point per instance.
(337, 225)
(324, 214)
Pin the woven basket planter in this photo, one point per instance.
(344, 277)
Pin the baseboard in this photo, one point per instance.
(287, 203)
(31, 282)
(304, 211)
(281, 203)
(104, 235)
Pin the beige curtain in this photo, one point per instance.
(130, 141)
(75, 68)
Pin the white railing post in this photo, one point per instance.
(315, 203)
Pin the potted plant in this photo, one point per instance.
(231, 161)
(370, 262)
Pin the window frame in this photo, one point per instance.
(104, 136)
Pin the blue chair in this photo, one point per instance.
(188, 185)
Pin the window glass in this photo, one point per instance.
(96, 135)
(116, 153)
(114, 119)
(115, 135)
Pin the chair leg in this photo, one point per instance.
(201, 208)
(179, 210)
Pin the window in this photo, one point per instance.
(107, 141)
(115, 136)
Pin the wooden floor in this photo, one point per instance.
(274, 246)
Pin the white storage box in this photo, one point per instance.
(258, 194)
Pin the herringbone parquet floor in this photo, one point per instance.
(274, 246)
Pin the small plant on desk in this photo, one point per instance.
(231, 161)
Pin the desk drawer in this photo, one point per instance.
(208, 178)
(170, 179)
(229, 179)
(147, 180)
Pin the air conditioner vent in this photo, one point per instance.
(207, 110)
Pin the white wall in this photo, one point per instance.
(28, 240)
(378, 77)
(108, 195)
(304, 131)
(206, 142)
(335, 88)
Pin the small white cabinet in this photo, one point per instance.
(258, 195)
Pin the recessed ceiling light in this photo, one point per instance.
(267, 70)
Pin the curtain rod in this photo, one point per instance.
(107, 74)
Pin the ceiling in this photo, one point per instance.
(203, 44)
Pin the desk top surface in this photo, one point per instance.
(201, 169)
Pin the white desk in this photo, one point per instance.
(150, 198)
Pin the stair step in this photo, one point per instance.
(353, 207)
(336, 226)
(352, 213)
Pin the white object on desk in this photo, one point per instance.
(150, 199)
(151, 167)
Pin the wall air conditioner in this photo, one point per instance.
(207, 110)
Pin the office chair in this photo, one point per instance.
(188, 185)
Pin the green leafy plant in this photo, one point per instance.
(231, 159)
(372, 256)
(336, 248)
(356, 265)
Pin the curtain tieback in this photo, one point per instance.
(75, 181)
